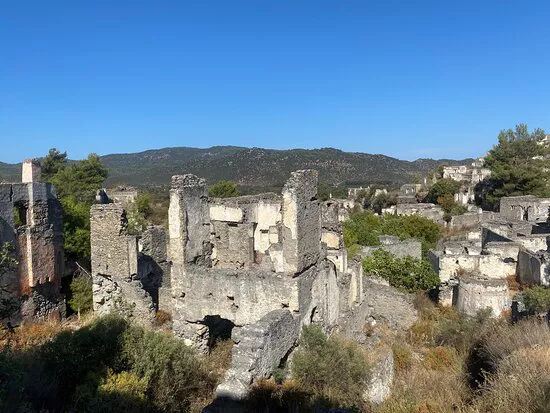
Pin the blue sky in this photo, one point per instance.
(405, 78)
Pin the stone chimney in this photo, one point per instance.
(31, 171)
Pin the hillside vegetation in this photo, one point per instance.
(254, 167)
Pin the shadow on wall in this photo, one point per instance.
(151, 275)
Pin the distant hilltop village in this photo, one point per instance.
(257, 268)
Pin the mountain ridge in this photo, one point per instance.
(255, 167)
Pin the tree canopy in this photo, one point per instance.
(76, 184)
(519, 165)
(81, 179)
(223, 189)
(53, 163)
(443, 187)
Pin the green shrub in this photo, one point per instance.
(443, 188)
(330, 368)
(223, 189)
(409, 274)
(364, 228)
(175, 375)
(108, 366)
(81, 298)
(537, 299)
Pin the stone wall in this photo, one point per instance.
(430, 211)
(475, 293)
(400, 248)
(117, 286)
(243, 229)
(153, 265)
(113, 251)
(35, 283)
(534, 268)
(524, 208)
(450, 265)
(301, 233)
(258, 349)
(470, 220)
(122, 295)
(189, 228)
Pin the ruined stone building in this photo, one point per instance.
(253, 268)
(31, 220)
(511, 244)
(469, 177)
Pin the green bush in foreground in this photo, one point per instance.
(107, 366)
(409, 274)
(330, 368)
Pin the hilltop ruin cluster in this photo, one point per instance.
(258, 268)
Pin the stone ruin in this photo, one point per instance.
(512, 244)
(253, 268)
(30, 219)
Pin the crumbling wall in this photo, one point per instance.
(400, 248)
(258, 349)
(524, 208)
(114, 256)
(242, 296)
(429, 211)
(476, 293)
(301, 234)
(153, 265)
(331, 235)
(122, 295)
(113, 251)
(491, 266)
(534, 268)
(470, 220)
(189, 227)
(34, 285)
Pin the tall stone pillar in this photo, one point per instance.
(189, 227)
(301, 221)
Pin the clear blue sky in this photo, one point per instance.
(405, 78)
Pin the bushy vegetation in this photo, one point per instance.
(8, 304)
(81, 298)
(536, 299)
(326, 372)
(408, 273)
(138, 213)
(330, 368)
(107, 366)
(443, 188)
(449, 362)
(223, 189)
(519, 165)
(369, 200)
(76, 184)
(364, 228)
(442, 193)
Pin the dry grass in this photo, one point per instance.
(513, 284)
(219, 359)
(423, 389)
(521, 385)
(32, 334)
(162, 318)
(402, 356)
(502, 339)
